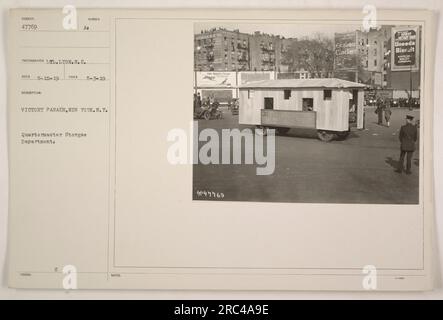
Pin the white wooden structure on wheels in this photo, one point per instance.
(331, 106)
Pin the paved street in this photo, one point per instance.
(359, 169)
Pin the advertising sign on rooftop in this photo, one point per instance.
(405, 49)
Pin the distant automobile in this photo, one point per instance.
(406, 103)
(370, 102)
(416, 103)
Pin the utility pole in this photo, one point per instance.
(357, 62)
(357, 57)
(249, 54)
(410, 88)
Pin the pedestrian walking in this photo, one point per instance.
(407, 137)
(379, 111)
(388, 113)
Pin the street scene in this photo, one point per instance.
(360, 169)
(344, 104)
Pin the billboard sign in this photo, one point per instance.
(216, 79)
(405, 49)
(245, 77)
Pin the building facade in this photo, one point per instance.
(219, 49)
(360, 56)
(366, 57)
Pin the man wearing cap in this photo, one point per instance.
(407, 137)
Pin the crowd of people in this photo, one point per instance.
(383, 107)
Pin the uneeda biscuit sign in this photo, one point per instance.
(405, 48)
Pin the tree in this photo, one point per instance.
(315, 55)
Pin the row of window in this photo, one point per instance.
(362, 41)
(239, 42)
(367, 63)
(366, 51)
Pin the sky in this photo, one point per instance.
(285, 30)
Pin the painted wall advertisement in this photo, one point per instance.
(345, 51)
(405, 48)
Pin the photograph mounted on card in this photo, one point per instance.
(220, 149)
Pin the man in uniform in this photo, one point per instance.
(407, 137)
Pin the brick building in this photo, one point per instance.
(219, 49)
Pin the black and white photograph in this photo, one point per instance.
(308, 166)
(307, 113)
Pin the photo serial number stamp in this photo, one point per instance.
(209, 194)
